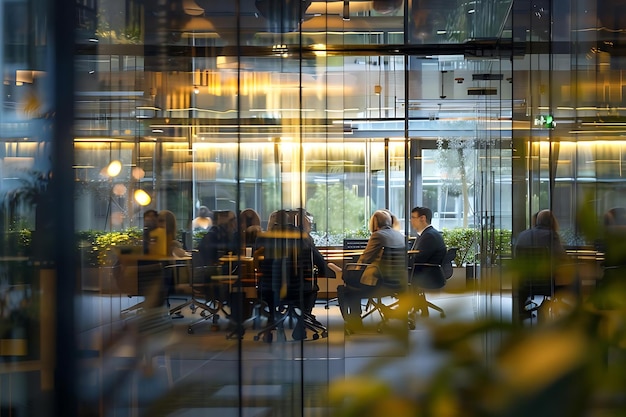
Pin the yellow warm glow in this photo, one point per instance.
(142, 198)
(114, 168)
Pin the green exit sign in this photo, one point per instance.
(546, 121)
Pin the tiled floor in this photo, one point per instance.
(130, 368)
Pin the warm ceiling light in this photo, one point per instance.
(114, 168)
(196, 90)
(142, 198)
(378, 89)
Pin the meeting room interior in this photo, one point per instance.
(190, 188)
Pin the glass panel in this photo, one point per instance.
(268, 105)
(28, 213)
(456, 21)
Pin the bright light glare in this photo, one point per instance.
(114, 168)
(142, 198)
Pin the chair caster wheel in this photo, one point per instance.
(189, 330)
(324, 334)
(411, 326)
(268, 338)
(316, 336)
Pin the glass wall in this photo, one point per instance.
(486, 112)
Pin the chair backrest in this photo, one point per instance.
(393, 267)
(287, 260)
(433, 276)
(446, 263)
(535, 268)
(201, 273)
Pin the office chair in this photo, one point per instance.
(535, 268)
(173, 274)
(288, 286)
(206, 294)
(427, 276)
(247, 310)
(353, 246)
(394, 275)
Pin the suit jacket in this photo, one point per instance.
(431, 247)
(541, 237)
(380, 239)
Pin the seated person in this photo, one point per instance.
(357, 286)
(289, 260)
(203, 219)
(429, 245)
(220, 240)
(540, 251)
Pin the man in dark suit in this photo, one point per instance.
(429, 246)
(360, 282)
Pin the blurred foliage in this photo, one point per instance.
(197, 237)
(20, 236)
(466, 240)
(568, 361)
(95, 245)
(106, 241)
(86, 245)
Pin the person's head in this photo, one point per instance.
(546, 220)
(226, 219)
(247, 218)
(150, 218)
(395, 223)
(421, 217)
(380, 219)
(278, 220)
(203, 211)
(615, 217)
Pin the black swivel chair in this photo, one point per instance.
(535, 269)
(206, 294)
(393, 272)
(427, 276)
(287, 286)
